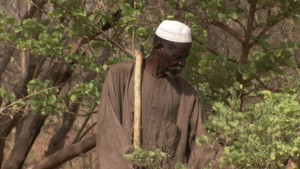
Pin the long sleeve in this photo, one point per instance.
(207, 154)
(112, 141)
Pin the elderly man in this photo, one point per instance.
(171, 115)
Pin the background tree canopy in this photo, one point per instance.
(54, 55)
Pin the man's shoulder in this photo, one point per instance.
(185, 85)
(119, 72)
(122, 67)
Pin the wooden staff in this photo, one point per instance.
(137, 97)
(291, 165)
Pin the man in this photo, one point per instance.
(171, 115)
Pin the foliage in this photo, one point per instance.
(256, 55)
(9, 97)
(155, 159)
(180, 166)
(147, 159)
(43, 97)
(239, 48)
(89, 92)
(266, 135)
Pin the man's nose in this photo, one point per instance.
(182, 63)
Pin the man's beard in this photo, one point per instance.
(173, 71)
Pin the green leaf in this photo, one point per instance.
(170, 17)
(79, 13)
(18, 105)
(96, 44)
(91, 85)
(73, 98)
(272, 156)
(129, 29)
(35, 105)
(52, 99)
(143, 32)
(44, 113)
(29, 23)
(91, 18)
(105, 67)
(10, 21)
(18, 28)
(233, 15)
(107, 45)
(202, 140)
(56, 13)
(221, 16)
(127, 10)
(190, 16)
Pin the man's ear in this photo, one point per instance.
(158, 46)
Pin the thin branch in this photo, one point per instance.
(98, 31)
(239, 23)
(23, 99)
(120, 46)
(87, 114)
(227, 29)
(266, 87)
(87, 130)
(262, 84)
(81, 129)
(209, 49)
(252, 90)
(266, 28)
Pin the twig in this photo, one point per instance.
(81, 129)
(87, 130)
(23, 99)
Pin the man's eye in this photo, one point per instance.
(178, 56)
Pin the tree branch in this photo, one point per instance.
(266, 28)
(86, 131)
(81, 129)
(266, 87)
(251, 19)
(209, 49)
(67, 153)
(227, 29)
(239, 23)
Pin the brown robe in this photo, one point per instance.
(171, 118)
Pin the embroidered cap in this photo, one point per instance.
(174, 31)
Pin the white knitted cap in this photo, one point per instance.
(174, 31)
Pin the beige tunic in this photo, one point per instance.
(171, 117)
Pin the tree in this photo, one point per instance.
(55, 54)
(260, 58)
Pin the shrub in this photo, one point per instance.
(266, 135)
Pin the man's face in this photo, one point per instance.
(172, 59)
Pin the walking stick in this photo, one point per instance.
(137, 97)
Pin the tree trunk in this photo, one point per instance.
(30, 130)
(6, 121)
(5, 130)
